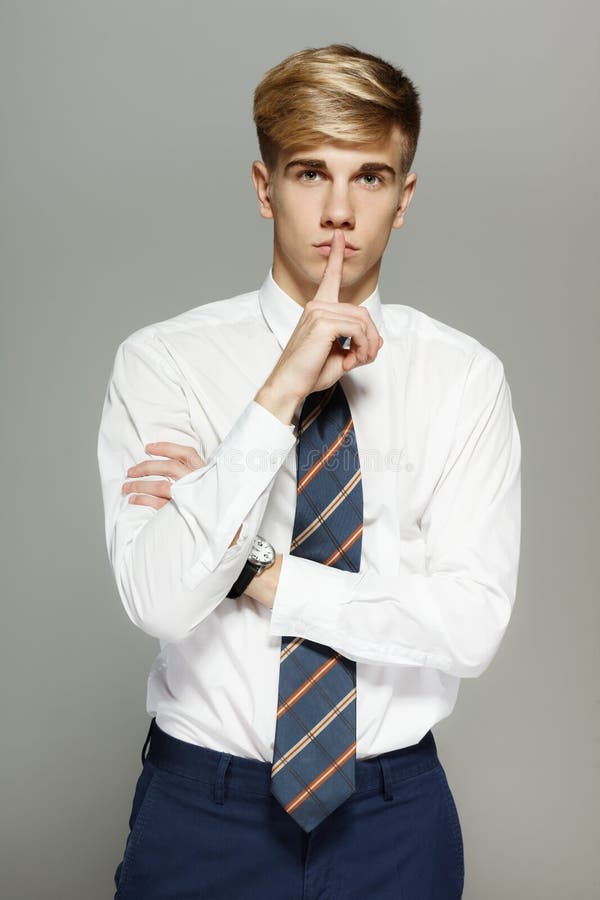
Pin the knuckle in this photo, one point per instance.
(316, 312)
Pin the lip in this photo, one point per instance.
(328, 244)
(325, 250)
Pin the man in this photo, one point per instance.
(334, 539)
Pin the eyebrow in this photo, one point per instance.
(321, 164)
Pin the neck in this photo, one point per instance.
(302, 289)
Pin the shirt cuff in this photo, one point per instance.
(216, 498)
(309, 599)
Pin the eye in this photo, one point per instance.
(304, 172)
(372, 175)
(308, 172)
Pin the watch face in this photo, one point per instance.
(262, 552)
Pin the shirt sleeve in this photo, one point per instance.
(453, 616)
(173, 565)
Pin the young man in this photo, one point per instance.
(333, 540)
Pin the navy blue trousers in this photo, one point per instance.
(204, 825)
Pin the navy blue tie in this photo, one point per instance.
(315, 733)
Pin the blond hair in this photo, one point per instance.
(334, 93)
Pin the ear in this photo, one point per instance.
(260, 179)
(408, 190)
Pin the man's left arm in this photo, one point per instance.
(454, 616)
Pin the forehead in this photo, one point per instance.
(350, 152)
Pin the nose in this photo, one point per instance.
(337, 209)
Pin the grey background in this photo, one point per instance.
(127, 143)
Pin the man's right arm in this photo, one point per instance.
(279, 404)
(174, 565)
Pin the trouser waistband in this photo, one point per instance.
(251, 776)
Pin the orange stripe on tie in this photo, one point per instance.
(306, 686)
(345, 546)
(328, 511)
(290, 648)
(318, 409)
(314, 732)
(323, 777)
(333, 448)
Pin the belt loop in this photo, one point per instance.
(386, 771)
(219, 785)
(146, 742)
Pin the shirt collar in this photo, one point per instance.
(282, 313)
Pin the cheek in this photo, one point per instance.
(296, 207)
(381, 227)
(293, 224)
(384, 214)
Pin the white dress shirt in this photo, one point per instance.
(440, 461)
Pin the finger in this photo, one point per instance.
(175, 451)
(374, 339)
(348, 327)
(329, 289)
(156, 488)
(144, 500)
(171, 467)
(357, 356)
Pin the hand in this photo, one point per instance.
(313, 358)
(181, 461)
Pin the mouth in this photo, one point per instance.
(325, 249)
(328, 244)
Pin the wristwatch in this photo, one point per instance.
(262, 556)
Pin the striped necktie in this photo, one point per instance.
(315, 732)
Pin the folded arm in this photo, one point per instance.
(452, 617)
(174, 565)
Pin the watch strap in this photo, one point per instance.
(243, 580)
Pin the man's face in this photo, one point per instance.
(357, 188)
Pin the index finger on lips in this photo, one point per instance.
(332, 276)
